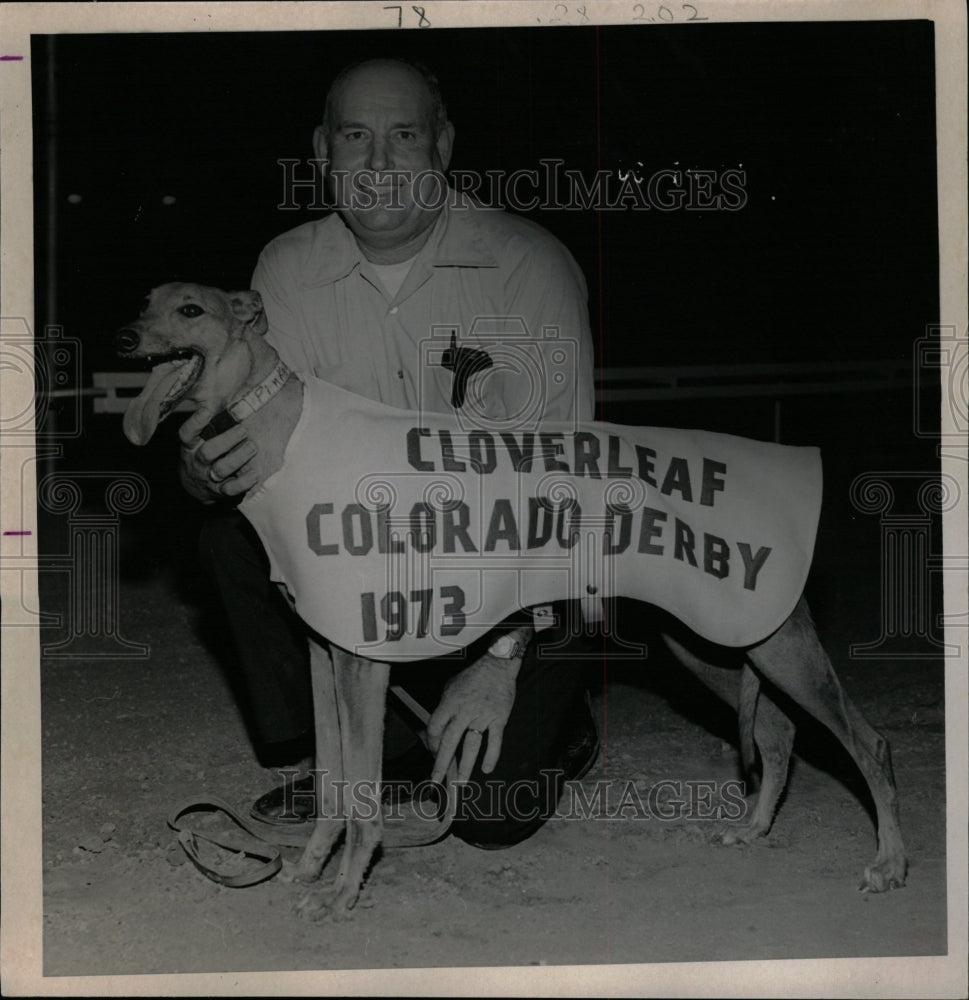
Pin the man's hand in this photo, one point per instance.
(476, 701)
(217, 468)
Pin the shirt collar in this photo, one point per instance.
(456, 241)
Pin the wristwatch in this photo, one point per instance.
(507, 647)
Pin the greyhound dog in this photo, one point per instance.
(207, 348)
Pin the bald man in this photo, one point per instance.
(353, 299)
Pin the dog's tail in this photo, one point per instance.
(747, 711)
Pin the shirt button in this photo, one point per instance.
(400, 374)
(393, 311)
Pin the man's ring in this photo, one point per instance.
(471, 729)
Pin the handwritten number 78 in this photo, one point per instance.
(421, 13)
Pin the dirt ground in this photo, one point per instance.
(124, 740)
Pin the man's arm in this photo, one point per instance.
(275, 279)
(547, 289)
(475, 706)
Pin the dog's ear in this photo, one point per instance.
(247, 306)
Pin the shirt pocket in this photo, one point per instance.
(354, 374)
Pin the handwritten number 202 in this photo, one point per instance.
(665, 14)
(421, 13)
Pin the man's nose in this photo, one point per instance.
(380, 155)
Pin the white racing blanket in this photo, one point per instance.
(403, 536)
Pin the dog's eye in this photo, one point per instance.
(191, 310)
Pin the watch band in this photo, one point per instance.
(505, 647)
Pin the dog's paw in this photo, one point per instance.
(342, 902)
(298, 871)
(312, 906)
(885, 875)
(329, 903)
(740, 833)
(289, 872)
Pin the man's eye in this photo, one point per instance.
(406, 136)
(353, 136)
(191, 310)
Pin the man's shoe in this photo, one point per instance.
(295, 801)
(582, 750)
(292, 802)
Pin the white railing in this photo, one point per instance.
(615, 385)
(112, 391)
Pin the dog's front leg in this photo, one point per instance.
(329, 822)
(361, 694)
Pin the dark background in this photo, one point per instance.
(832, 258)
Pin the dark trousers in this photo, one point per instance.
(273, 660)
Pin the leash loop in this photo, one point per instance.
(249, 844)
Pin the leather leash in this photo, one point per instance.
(259, 840)
(250, 844)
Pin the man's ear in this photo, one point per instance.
(321, 146)
(445, 143)
(247, 307)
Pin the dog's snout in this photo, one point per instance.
(126, 340)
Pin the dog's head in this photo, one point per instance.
(198, 341)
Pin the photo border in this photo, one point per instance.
(20, 945)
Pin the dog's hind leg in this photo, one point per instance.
(793, 659)
(329, 822)
(765, 724)
(761, 722)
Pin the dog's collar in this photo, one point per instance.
(247, 405)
